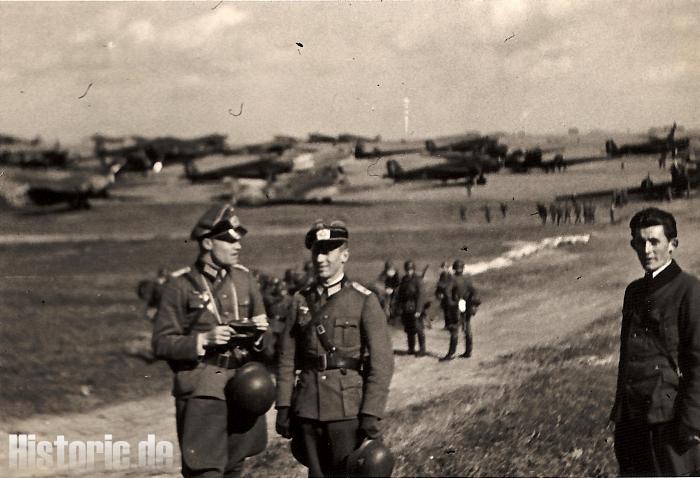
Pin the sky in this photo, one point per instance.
(69, 70)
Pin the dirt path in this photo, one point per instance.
(514, 322)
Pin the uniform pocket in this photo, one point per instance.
(347, 332)
(351, 387)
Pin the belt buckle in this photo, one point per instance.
(322, 362)
(223, 360)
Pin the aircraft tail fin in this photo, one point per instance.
(393, 169)
(611, 148)
(191, 171)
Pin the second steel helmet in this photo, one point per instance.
(372, 458)
(251, 390)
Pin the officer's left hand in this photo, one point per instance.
(261, 323)
(369, 427)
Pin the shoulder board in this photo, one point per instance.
(360, 288)
(243, 268)
(180, 272)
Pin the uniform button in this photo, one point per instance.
(223, 296)
(226, 313)
(634, 335)
(656, 367)
(323, 377)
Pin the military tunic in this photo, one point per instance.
(212, 440)
(410, 299)
(324, 399)
(461, 289)
(658, 385)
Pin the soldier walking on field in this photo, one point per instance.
(464, 302)
(410, 302)
(336, 364)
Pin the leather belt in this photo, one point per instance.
(331, 362)
(225, 360)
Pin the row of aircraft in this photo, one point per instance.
(290, 169)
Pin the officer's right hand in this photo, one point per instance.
(219, 335)
(282, 423)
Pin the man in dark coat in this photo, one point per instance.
(337, 338)
(410, 301)
(194, 330)
(464, 302)
(657, 403)
(443, 290)
(389, 281)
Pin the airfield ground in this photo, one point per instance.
(532, 401)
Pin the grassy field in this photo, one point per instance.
(546, 416)
(70, 308)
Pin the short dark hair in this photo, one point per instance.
(653, 216)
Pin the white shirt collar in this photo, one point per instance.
(660, 269)
(336, 283)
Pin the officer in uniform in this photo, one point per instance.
(463, 303)
(195, 330)
(657, 404)
(411, 301)
(337, 338)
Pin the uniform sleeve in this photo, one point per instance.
(689, 357)
(381, 358)
(474, 296)
(169, 340)
(257, 305)
(285, 367)
(421, 299)
(622, 359)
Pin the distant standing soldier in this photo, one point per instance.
(442, 293)
(487, 213)
(462, 213)
(504, 209)
(277, 302)
(195, 330)
(567, 212)
(150, 291)
(464, 302)
(553, 212)
(542, 212)
(559, 212)
(578, 210)
(410, 301)
(336, 361)
(390, 280)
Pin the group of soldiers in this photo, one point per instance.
(567, 212)
(213, 325)
(405, 300)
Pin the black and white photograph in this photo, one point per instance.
(349, 238)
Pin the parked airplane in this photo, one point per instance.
(265, 166)
(452, 165)
(150, 154)
(74, 187)
(315, 184)
(20, 152)
(656, 142)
